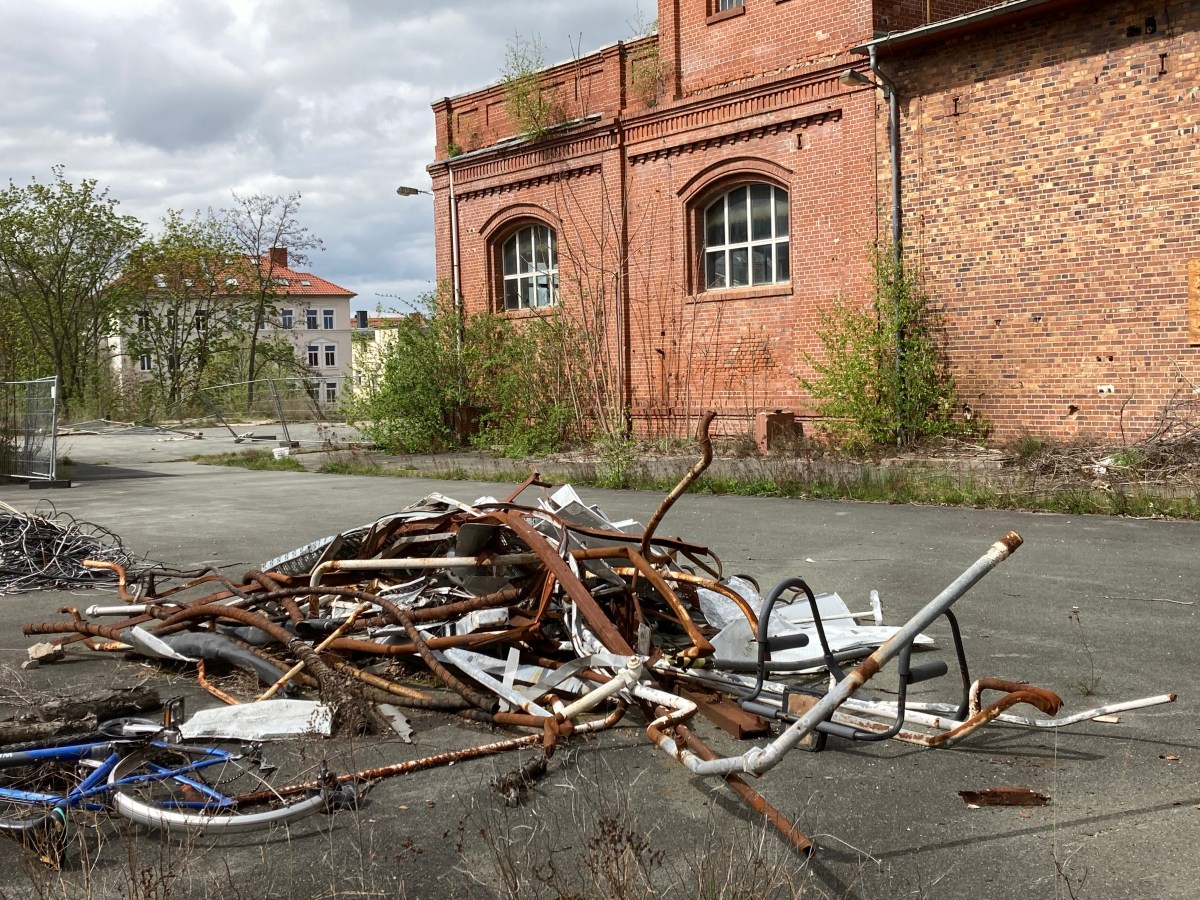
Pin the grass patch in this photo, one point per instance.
(259, 460)
(797, 480)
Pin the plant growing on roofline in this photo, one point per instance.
(530, 106)
(883, 379)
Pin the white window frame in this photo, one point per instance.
(327, 319)
(331, 356)
(529, 268)
(145, 364)
(722, 5)
(314, 355)
(310, 319)
(331, 392)
(738, 251)
(286, 318)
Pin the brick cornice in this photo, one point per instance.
(541, 159)
(743, 134)
(544, 177)
(694, 125)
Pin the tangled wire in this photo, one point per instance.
(45, 550)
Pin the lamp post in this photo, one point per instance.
(406, 191)
(855, 78)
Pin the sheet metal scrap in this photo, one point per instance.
(554, 619)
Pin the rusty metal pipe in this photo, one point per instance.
(692, 474)
(708, 584)
(753, 798)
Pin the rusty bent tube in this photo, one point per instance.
(758, 760)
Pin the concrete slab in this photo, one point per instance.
(1124, 816)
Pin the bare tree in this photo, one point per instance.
(259, 223)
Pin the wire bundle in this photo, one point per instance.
(45, 550)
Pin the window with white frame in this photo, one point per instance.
(286, 318)
(327, 319)
(144, 363)
(728, 4)
(330, 391)
(529, 262)
(143, 320)
(331, 356)
(314, 355)
(310, 319)
(746, 238)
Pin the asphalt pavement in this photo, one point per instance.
(1096, 609)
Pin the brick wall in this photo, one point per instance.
(1049, 193)
(707, 50)
(1052, 171)
(898, 15)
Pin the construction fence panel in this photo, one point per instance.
(293, 407)
(29, 429)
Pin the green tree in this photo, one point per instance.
(62, 246)
(259, 223)
(185, 318)
(408, 392)
(883, 379)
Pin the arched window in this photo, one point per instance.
(746, 238)
(530, 264)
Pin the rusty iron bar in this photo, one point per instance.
(291, 673)
(714, 586)
(756, 801)
(202, 678)
(404, 768)
(595, 617)
(692, 474)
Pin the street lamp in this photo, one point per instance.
(405, 191)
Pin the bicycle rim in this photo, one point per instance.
(201, 800)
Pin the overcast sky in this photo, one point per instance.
(179, 103)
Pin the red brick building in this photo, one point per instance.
(711, 188)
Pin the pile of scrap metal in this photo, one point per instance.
(552, 618)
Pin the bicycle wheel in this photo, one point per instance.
(31, 809)
(179, 788)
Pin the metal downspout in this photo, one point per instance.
(889, 90)
(456, 271)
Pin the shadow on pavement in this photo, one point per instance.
(87, 472)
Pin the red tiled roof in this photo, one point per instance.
(303, 283)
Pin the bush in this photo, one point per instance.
(409, 395)
(882, 379)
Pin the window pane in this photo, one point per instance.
(782, 269)
(512, 297)
(541, 249)
(781, 213)
(525, 250)
(714, 225)
(761, 260)
(714, 270)
(543, 290)
(739, 269)
(737, 216)
(760, 212)
(510, 256)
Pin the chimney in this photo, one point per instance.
(279, 258)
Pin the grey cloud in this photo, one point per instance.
(176, 103)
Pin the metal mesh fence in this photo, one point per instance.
(281, 402)
(29, 429)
